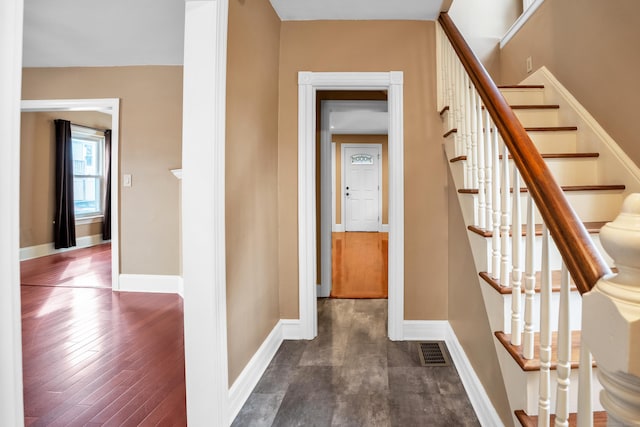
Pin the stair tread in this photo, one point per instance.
(597, 187)
(544, 156)
(591, 226)
(556, 277)
(521, 87)
(528, 129)
(535, 107)
(534, 364)
(599, 419)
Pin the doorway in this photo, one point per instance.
(309, 83)
(109, 107)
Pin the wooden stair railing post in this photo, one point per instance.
(611, 318)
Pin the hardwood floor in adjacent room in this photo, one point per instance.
(359, 265)
(94, 357)
(86, 267)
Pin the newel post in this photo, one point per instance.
(611, 318)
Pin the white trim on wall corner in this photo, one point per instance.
(291, 329)
(150, 283)
(420, 330)
(242, 387)
(45, 249)
(181, 287)
(385, 228)
(522, 19)
(484, 409)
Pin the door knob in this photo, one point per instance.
(347, 188)
(347, 194)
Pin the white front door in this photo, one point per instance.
(361, 187)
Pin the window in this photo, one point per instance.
(88, 171)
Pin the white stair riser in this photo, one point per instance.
(566, 171)
(522, 387)
(544, 117)
(481, 248)
(590, 206)
(555, 142)
(521, 96)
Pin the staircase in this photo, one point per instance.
(533, 305)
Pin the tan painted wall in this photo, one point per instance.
(407, 46)
(251, 178)
(467, 313)
(591, 47)
(150, 145)
(483, 23)
(362, 139)
(37, 174)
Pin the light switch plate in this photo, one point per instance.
(529, 64)
(126, 180)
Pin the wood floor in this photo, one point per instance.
(87, 267)
(359, 265)
(93, 357)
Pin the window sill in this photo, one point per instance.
(89, 219)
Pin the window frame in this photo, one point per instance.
(83, 133)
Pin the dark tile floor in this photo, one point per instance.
(352, 375)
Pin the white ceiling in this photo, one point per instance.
(306, 10)
(94, 33)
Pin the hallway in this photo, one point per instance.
(352, 375)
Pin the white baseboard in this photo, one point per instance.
(291, 329)
(385, 228)
(485, 411)
(417, 330)
(45, 249)
(242, 387)
(337, 228)
(150, 283)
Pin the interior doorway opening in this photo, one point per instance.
(355, 125)
(315, 231)
(104, 256)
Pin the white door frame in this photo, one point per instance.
(343, 171)
(109, 106)
(308, 84)
(11, 403)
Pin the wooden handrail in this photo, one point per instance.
(581, 257)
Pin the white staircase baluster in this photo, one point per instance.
(516, 269)
(473, 128)
(457, 89)
(529, 280)
(466, 119)
(585, 379)
(563, 370)
(482, 190)
(495, 240)
(544, 392)
(488, 171)
(505, 261)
